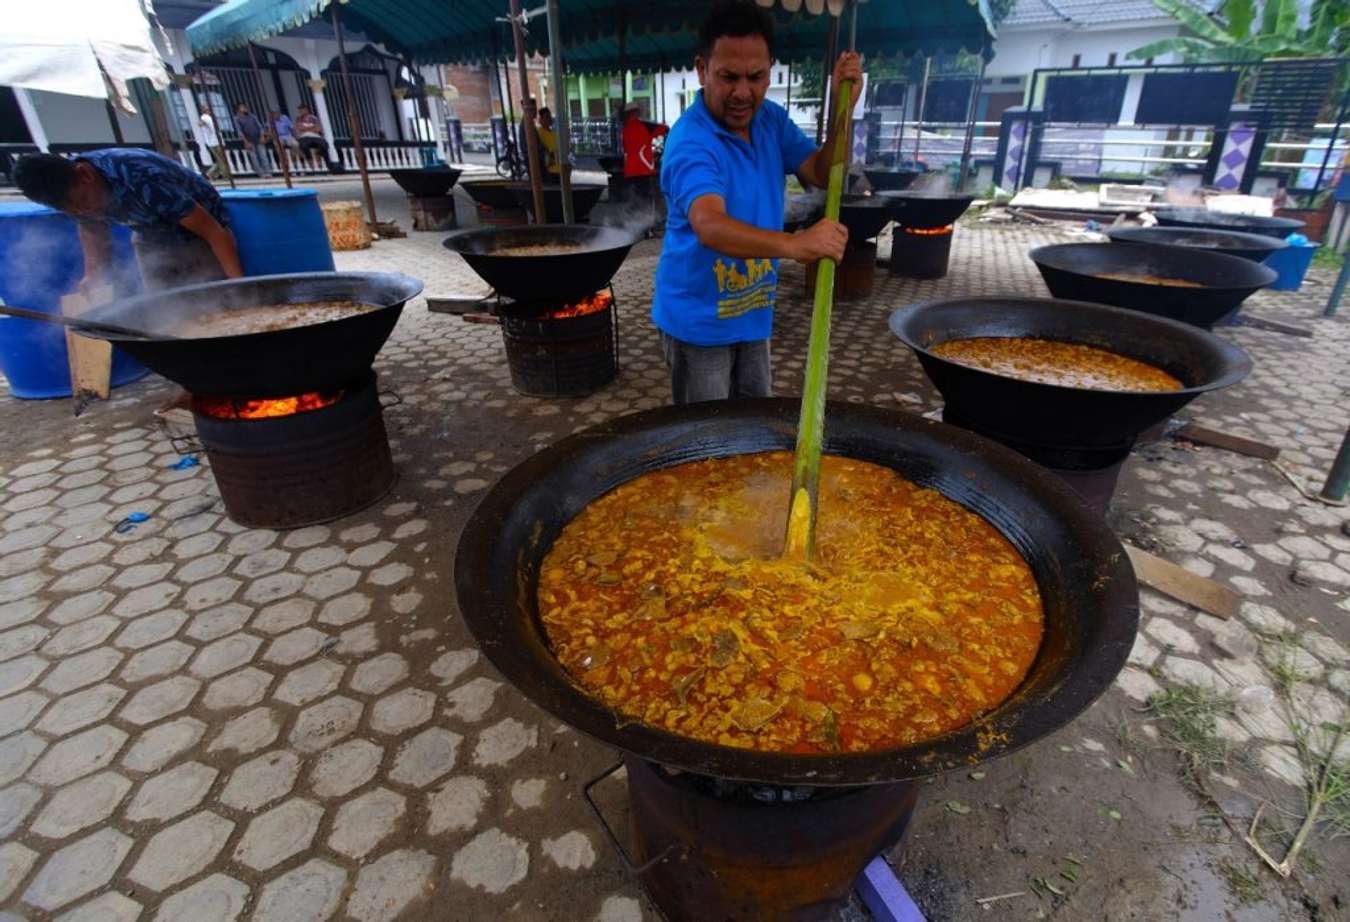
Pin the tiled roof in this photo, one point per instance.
(1086, 12)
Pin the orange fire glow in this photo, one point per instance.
(231, 408)
(928, 231)
(594, 304)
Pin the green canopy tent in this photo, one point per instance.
(593, 36)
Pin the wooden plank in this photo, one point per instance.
(459, 303)
(1183, 585)
(1203, 435)
(1273, 326)
(90, 359)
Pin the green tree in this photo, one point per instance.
(1240, 31)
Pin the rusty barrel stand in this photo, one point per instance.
(855, 277)
(733, 857)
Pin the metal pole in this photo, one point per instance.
(970, 127)
(563, 118)
(831, 43)
(531, 138)
(1338, 480)
(114, 122)
(1331, 144)
(1338, 289)
(923, 101)
(262, 101)
(353, 118)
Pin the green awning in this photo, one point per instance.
(656, 35)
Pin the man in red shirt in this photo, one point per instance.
(640, 169)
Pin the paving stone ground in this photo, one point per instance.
(200, 721)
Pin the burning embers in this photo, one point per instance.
(235, 408)
(292, 461)
(567, 350)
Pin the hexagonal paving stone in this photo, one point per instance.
(76, 638)
(262, 563)
(320, 725)
(158, 661)
(257, 783)
(366, 821)
(78, 671)
(16, 802)
(17, 754)
(21, 640)
(345, 609)
(197, 546)
(158, 746)
(472, 700)
(83, 579)
(157, 701)
(331, 583)
(78, 756)
(178, 852)
(250, 541)
(359, 534)
(450, 666)
(380, 674)
(307, 537)
(237, 690)
(150, 629)
(248, 732)
(80, 709)
(385, 888)
(215, 899)
(143, 574)
(390, 573)
(503, 741)
(218, 622)
(210, 593)
(78, 869)
(81, 805)
(282, 616)
(456, 805)
(110, 907)
(402, 711)
(345, 767)
(371, 554)
(319, 558)
(78, 557)
(20, 611)
(357, 641)
(224, 655)
(18, 674)
(295, 647)
(426, 757)
(78, 607)
(278, 834)
(172, 793)
(309, 683)
(18, 711)
(15, 862)
(492, 861)
(273, 588)
(310, 893)
(147, 599)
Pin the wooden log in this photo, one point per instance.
(1181, 584)
(90, 359)
(1203, 435)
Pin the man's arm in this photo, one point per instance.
(815, 170)
(96, 242)
(221, 241)
(718, 231)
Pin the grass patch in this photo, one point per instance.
(1187, 719)
(1327, 258)
(1243, 884)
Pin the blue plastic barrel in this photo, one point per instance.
(41, 260)
(278, 230)
(1291, 263)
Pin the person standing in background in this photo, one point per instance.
(309, 130)
(548, 139)
(253, 135)
(206, 126)
(640, 160)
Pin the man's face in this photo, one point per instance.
(546, 119)
(735, 77)
(243, 109)
(87, 196)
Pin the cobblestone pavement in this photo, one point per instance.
(200, 721)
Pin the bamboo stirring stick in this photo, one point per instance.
(801, 528)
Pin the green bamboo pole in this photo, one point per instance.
(801, 529)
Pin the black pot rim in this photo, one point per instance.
(1049, 255)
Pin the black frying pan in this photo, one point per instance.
(591, 257)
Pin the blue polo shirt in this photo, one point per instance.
(704, 297)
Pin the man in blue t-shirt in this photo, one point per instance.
(182, 231)
(722, 173)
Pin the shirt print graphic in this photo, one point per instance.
(743, 285)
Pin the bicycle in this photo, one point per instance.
(510, 165)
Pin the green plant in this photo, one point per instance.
(1236, 34)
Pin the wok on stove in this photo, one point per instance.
(1028, 413)
(584, 198)
(426, 183)
(594, 254)
(1255, 247)
(1222, 220)
(272, 363)
(1075, 270)
(891, 180)
(865, 216)
(926, 210)
(1088, 587)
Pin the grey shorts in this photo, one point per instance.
(717, 372)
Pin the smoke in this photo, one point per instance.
(634, 214)
(939, 183)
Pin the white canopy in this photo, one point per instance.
(68, 46)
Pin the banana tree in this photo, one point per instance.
(1241, 31)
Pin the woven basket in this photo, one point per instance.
(346, 226)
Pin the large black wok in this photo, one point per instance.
(426, 183)
(575, 273)
(1085, 581)
(584, 198)
(926, 210)
(1222, 220)
(1032, 415)
(274, 363)
(1074, 270)
(494, 193)
(891, 180)
(1255, 247)
(864, 215)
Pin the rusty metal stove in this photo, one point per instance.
(296, 461)
(921, 252)
(561, 350)
(709, 848)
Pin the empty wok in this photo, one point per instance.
(865, 216)
(270, 363)
(1074, 271)
(1085, 580)
(1222, 220)
(426, 183)
(584, 198)
(926, 210)
(891, 180)
(586, 260)
(1255, 247)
